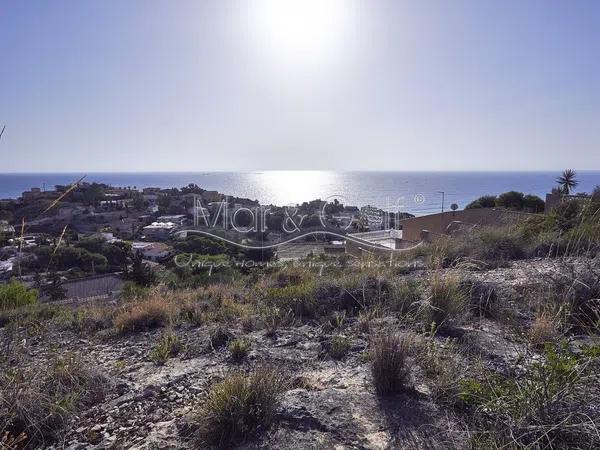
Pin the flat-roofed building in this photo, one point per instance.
(159, 230)
(178, 219)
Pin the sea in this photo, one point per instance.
(418, 193)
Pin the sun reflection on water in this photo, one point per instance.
(297, 186)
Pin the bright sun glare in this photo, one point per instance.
(300, 32)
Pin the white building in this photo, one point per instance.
(152, 251)
(159, 230)
(178, 219)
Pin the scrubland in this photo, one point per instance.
(483, 340)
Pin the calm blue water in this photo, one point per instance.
(416, 192)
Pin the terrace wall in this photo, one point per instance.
(437, 224)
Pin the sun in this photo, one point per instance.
(299, 32)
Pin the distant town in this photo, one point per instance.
(83, 241)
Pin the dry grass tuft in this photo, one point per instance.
(544, 330)
(37, 404)
(238, 405)
(152, 312)
(388, 363)
(448, 303)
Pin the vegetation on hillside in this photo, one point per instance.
(496, 330)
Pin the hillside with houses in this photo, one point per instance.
(130, 319)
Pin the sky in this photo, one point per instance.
(312, 84)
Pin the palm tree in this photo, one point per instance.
(567, 181)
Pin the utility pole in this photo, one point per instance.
(443, 196)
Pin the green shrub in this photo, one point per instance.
(388, 363)
(220, 336)
(546, 244)
(337, 320)
(85, 319)
(239, 349)
(133, 291)
(168, 345)
(292, 276)
(405, 295)
(442, 365)
(339, 346)
(550, 406)
(574, 290)
(533, 204)
(582, 239)
(498, 245)
(30, 312)
(38, 402)
(196, 313)
(572, 228)
(447, 303)
(238, 405)
(486, 201)
(366, 316)
(352, 292)
(446, 251)
(511, 199)
(567, 215)
(272, 318)
(298, 298)
(15, 294)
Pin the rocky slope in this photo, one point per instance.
(330, 403)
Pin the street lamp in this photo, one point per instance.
(443, 196)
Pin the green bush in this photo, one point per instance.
(486, 201)
(547, 407)
(498, 245)
(132, 291)
(572, 228)
(511, 199)
(68, 257)
(239, 349)
(404, 295)
(168, 345)
(38, 404)
(448, 302)
(33, 312)
(352, 292)
(273, 317)
(442, 364)
(201, 245)
(567, 215)
(238, 405)
(15, 294)
(533, 204)
(339, 346)
(298, 298)
(90, 318)
(582, 239)
(576, 293)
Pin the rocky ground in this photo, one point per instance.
(331, 403)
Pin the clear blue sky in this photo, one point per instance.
(330, 84)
